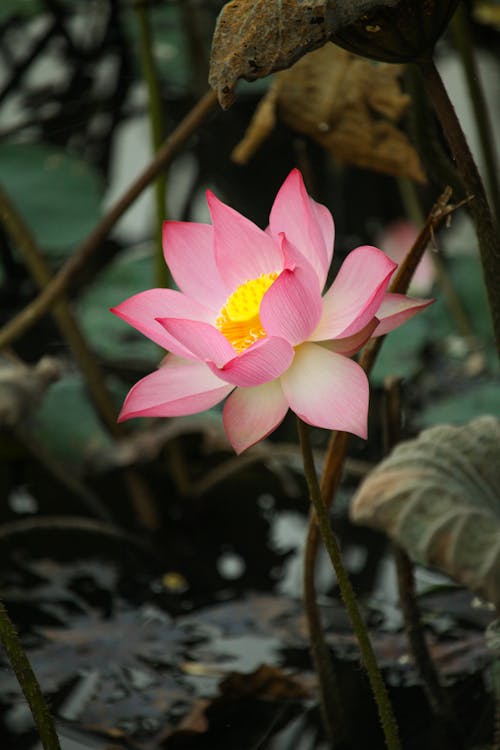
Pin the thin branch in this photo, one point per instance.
(39, 269)
(63, 281)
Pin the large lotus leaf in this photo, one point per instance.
(439, 497)
(108, 335)
(66, 422)
(476, 399)
(58, 195)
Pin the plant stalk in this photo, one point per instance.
(28, 682)
(150, 74)
(65, 279)
(489, 239)
(337, 449)
(436, 695)
(460, 28)
(322, 517)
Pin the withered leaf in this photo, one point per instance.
(256, 37)
(438, 497)
(267, 682)
(253, 38)
(348, 105)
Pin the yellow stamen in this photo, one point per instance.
(239, 319)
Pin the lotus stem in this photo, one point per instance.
(150, 74)
(330, 696)
(460, 28)
(28, 682)
(437, 697)
(337, 447)
(489, 239)
(386, 715)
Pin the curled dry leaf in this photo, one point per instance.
(256, 37)
(348, 105)
(253, 38)
(439, 497)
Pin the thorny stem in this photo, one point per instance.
(28, 682)
(157, 133)
(337, 448)
(322, 518)
(489, 239)
(63, 281)
(462, 37)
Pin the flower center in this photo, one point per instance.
(239, 319)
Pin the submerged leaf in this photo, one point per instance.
(439, 497)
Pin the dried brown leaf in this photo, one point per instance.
(267, 682)
(256, 37)
(439, 497)
(346, 104)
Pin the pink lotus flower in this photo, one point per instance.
(249, 321)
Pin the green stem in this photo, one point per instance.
(337, 447)
(379, 690)
(436, 695)
(489, 239)
(149, 71)
(328, 681)
(28, 682)
(461, 34)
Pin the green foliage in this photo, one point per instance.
(59, 195)
(401, 352)
(66, 424)
(10, 8)
(470, 402)
(109, 336)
